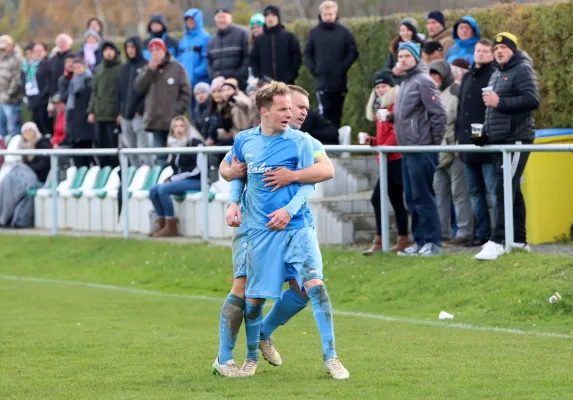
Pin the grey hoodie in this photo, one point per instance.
(420, 117)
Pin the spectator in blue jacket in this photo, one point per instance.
(466, 35)
(157, 28)
(193, 49)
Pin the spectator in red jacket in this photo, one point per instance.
(380, 108)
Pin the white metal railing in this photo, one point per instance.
(382, 150)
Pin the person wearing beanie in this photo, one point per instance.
(329, 64)
(419, 119)
(91, 51)
(432, 51)
(201, 92)
(383, 97)
(437, 31)
(509, 120)
(459, 67)
(407, 32)
(256, 24)
(165, 85)
(157, 29)
(466, 34)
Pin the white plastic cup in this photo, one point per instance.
(555, 298)
(382, 114)
(487, 89)
(477, 129)
(445, 315)
(362, 136)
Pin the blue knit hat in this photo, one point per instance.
(412, 47)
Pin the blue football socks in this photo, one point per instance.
(322, 310)
(253, 322)
(284, 309)
(230, 323)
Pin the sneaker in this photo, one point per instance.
(490, 251)
(430, 249)
(270, 354)
(522, 246)
(335, 368)
(410, 251)
(229, 369)
(249, 368)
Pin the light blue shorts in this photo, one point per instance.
(276, 256)
(239, 246)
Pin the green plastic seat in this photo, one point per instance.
(101, 180)
(79, 178)
(48, 185)
(152, 177)
(102, 193)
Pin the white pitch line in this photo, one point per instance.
(379, 317)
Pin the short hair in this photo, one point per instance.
(485, 42)
(327, 4)
(66, 37)
(43, 44)
(295, 88)
(265, 95)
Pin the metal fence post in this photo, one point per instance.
(383, 167)
(54, 192)
(507, 200)
(205, 195)
(124, 193)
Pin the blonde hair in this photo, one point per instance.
(327, 4)
(192, 133)
(66, 37)
(266, 94)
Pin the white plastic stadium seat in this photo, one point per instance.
(96, 202)
(10, 161)
(344, 138)
(143, 207)
(43, 201)
(68, 205)
(136, 184)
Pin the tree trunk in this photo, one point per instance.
(100, 14)
(140, 8)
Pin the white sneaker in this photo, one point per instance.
(490, 251)
(270, 354)
(249, 368)
(229, 370)
(335, 368)
(410, 251)
(430, 249)
(522, 246)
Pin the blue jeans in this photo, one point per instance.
(160, 140)
(481, 182)
(418, 179)
(11, 118)
(160, 195)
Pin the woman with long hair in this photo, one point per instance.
(407, 31)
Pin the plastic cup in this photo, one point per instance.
(362, 137)
(382, 114)
(477, 130)
(487, 89)
(555, 298)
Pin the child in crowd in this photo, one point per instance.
(380, 108)
(201, 92)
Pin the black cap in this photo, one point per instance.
(430, 47)
(222, 10)
(384, 76)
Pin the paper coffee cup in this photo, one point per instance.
(477, 129)
(382, 114)
(555, 298)
(362, 137)
(487, 89)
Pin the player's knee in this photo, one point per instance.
(312, 283)
(239, 286)
(255, 302)
(293, 285)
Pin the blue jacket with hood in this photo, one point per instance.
(464, 48)
(193, 49)
(170, 42)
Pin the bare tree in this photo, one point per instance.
(100, 13)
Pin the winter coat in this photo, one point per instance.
(59, 129)
(385, 135)
(471, 109)
(276, 54)
(40, 164)
(98, 54)
(445, 38)
(167, 93)
(320, 128)
(43, 80)
(228, 54)
(213, 121)
(516, 85)
(240, 104)
(464, 48)
(193, 49)
(77, 126)
(420, 117)
(131, 102)
(57, 63)
(105, 88)
(327, 63)
(11, 82)
(63, 86)
(201, 112)
(186, 166)
(170, 42)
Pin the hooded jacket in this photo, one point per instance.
(464, 48)
(131, 102)
(445, 38)
(449, 92)
(77, 126)
(516, 85)
(420, 117)
(43, 79)
(193, 48)
(228, 54)
(170, 42)
(276, 54)
(330, 64)
(471, 109)
(98, 55)
(57, 64)
(167, 93)
(104, 102)
(11, 82)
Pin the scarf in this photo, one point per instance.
(89, 54)
(77, 84)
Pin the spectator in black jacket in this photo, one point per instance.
(330, 64)
(157, 29)
(66, 77)
(186, 176)
(510, 103)
(228, 50)
(38, 91)
(131, 103)
(201, 91)
(479, 169)
(33, 139)
(276, 53)
(320, 128)
(64, 44)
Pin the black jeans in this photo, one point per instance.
(331, 105)
(107, 138)
(83, 161)
(43, 120)
(518, 162)
(396, 195)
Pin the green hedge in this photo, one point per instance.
(543, 31)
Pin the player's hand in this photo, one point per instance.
(234, 218)
(279, 177)
(238, 169)
(279, 220)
